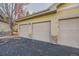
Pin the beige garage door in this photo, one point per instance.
(23, 31)
(69, 32)
(41, 31)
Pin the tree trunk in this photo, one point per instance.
(11, 26)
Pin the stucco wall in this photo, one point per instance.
(68, 10)
(4, 27)
(46, 17)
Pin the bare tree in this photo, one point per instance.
(10, 12)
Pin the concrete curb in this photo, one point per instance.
(4, 37)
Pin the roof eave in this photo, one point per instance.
(35, 15)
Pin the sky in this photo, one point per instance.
(35, 7)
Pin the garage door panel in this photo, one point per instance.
(41, 31)
(23, 31)
(69, 32)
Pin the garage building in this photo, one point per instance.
(59, 24)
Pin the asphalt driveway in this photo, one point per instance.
(29, 47)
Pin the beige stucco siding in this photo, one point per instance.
(46, 17)
(70, 10)
(66, 5)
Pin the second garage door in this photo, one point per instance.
(41, 31)
(69, 32)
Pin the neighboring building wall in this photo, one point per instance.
(4, 27)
